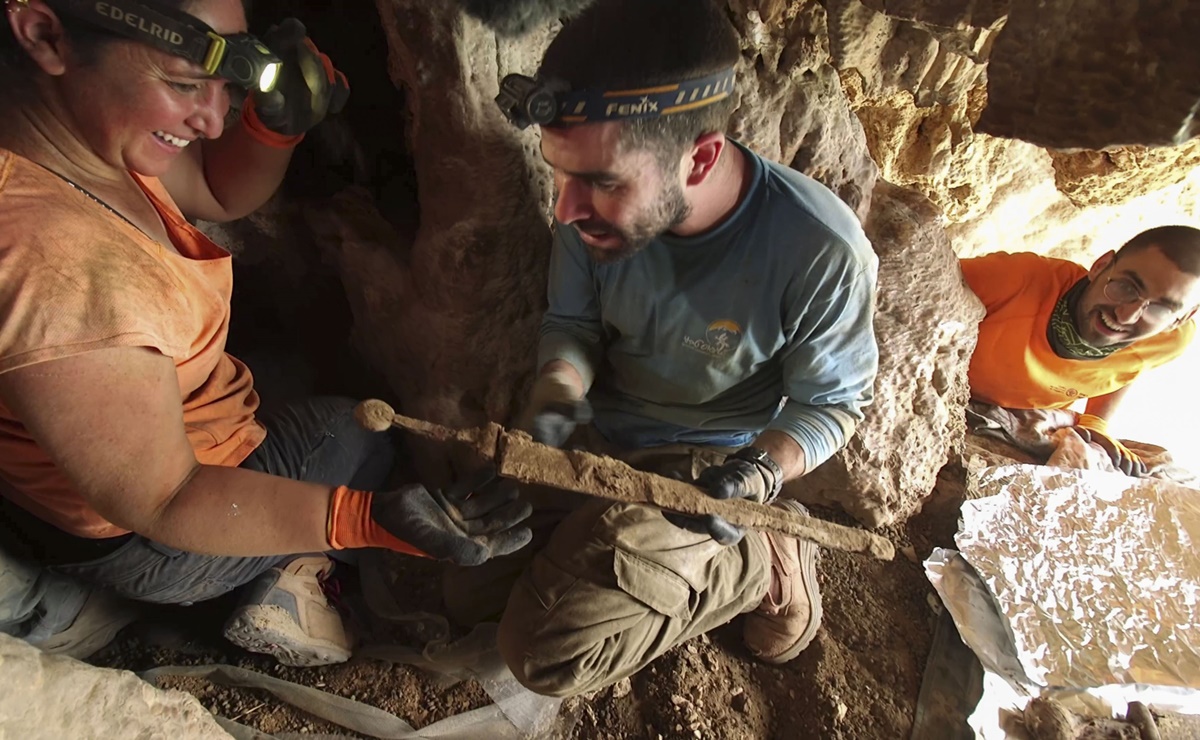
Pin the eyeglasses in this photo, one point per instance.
(1122, 291)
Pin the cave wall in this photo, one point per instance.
(922, 123)
(429, 214)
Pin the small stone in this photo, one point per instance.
(678, 728)
(622, 688)
(697, 733)
(737, 691)
(841, 712)
(934, 603)
(910, 552)
(693, 649)
(676, 699)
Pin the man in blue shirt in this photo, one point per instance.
(702, 299)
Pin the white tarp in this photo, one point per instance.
(1096, 574)
(1080, 585)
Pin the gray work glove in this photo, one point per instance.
(554, 410)
(735, 478)
(464, 529)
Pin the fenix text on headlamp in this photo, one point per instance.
(526, 101)
(240, 58)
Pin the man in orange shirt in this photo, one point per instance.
(1055, 333)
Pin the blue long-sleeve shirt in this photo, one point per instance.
(764, 322)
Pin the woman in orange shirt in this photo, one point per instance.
(131, 457)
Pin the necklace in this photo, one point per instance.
(87, 193)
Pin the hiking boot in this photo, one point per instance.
(102, 616)
(787, 619)
(285, 613)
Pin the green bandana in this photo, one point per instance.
(1064, 337)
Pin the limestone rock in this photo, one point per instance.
(1001, 194)
(55, 697)
(926, 322)
(948, 13)
(518, 17)
(1021, 208)
(1091, 178)
(936, 64)
(996, 193)
(1095, 74)
(792, 107)
(449, 311)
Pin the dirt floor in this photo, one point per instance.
(860, 678)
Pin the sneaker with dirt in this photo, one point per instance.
(286, 614)
(790, 613)
(103, 615)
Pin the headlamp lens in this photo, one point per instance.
(269, 76)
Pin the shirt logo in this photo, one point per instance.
(1068, 392)
(721, 339)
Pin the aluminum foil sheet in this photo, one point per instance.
(1096, 574)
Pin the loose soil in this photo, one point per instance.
(859, 679)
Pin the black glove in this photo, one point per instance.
(309, 88)
(745, 474)
(465, 531)
(554, 410)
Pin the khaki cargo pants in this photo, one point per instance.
(606, 587)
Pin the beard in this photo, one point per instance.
(667, 212)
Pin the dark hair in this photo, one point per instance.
(623, 44)
(1180, 244)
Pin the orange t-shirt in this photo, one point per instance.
(1014, 365)
(74, 278)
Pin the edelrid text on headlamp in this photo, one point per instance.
(240, 58)
(526, 101)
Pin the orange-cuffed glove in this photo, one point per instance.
(1095, 429)
(413, 520)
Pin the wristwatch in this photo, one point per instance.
(759, 456)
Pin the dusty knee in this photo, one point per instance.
(543, 668)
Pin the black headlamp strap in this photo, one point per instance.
(170, 30)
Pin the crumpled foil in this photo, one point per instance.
(1096, 574)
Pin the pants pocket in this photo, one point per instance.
(650, 583)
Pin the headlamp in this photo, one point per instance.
(527, 100)
(240, 58)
